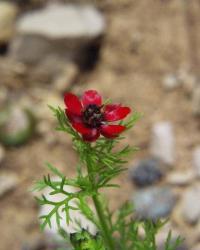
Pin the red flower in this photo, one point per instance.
(90, 118)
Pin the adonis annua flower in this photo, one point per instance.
(91, 118)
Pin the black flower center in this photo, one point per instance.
(92, 116)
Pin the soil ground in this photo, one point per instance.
(145, 40)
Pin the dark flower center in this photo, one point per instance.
(92, 116)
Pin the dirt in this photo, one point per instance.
(145, 40)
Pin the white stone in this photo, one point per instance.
(162, 143)
(58, 21)
(7, 183)
(170, 82)
(191, 205)
(181, 178)
(75, 215)
(8, 14)
(196, 160)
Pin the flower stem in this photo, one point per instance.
(99, 209)
(104, 225)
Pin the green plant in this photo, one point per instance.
(99, 163)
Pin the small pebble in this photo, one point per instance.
(146, 172)
(181, 178)
(7, 183)
(16, 126)
(162, 144)
(191, 205)
(171, 82)
(154, 203)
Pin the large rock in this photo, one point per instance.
(59, 21)
(8, 14)
(163, 142)
(64, 29)
(191, 205)
(154, 203)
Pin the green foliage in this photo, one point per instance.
(85, 241)
(99, 164)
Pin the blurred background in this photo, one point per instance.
(144, 54)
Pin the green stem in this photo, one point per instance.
(99, 209)
(104, 225)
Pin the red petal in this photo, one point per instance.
(91, 97)
(73, 104)
(111, 107)
(115, 112)
(73, 117)
(81, 128)
(111, 131)
(93, 136)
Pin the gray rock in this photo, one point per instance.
(7, 183)
(8, 14)
(62, 29)
(16, 126)
(191, 205)
(146, 172)
(196, 160)
(162, 143)
(154, 203)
